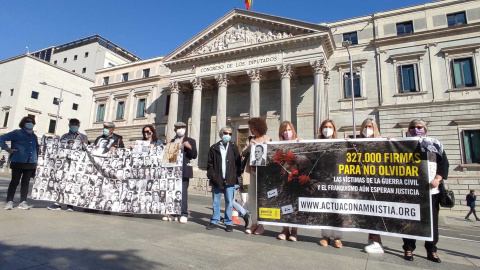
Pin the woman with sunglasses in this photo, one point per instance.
(23, 157)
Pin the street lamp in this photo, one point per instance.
(347, 44)
(59, 102)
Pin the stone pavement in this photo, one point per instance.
(42, 239)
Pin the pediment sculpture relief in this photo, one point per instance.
(240, 35)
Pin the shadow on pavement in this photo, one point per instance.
(21, 257)
(460, 254)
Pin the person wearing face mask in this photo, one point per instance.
(286, 132)
(189, 153)
(23, 157)
(327, 130)
(149, 134)
(223, 170)
(108, 128)
(438, 168)
(73, 134)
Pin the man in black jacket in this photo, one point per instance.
(223, 170)
(189, 153)
(471, 198)
(108, 134)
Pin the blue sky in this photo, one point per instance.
(150, 28)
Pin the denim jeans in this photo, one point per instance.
(238, 206)
(229, 198)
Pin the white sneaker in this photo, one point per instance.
(167, 218)
(374, 247)
(183, 220)
(23, 205)
(9, 206)
(175, 218)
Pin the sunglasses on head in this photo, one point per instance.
(227, 133)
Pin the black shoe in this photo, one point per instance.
(211, 226)
(246, 219)
(54, 207)
(70, 208)
(430, 257)
(478, 219)
(229, 228)
(408, 257)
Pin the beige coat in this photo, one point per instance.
(250, 170)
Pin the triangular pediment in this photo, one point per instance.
(242, 29)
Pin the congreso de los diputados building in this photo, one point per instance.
(420, 61)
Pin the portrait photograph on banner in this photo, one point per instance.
(258, 154)
(370, 185)
(96, 177)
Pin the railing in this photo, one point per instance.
(200, 184)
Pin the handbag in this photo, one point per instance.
(447, 197)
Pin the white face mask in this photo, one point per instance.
(367, 132)
(327, 132)
(180, 132)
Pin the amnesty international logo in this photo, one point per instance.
(269, 213)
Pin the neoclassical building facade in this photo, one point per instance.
(415, 62)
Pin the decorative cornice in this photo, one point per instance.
(411, 55)
(254, 75)
(222, 79)
(343, 65)
(125, 84)
(468, 47)
(285, 70)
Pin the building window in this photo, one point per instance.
(167, 105)
(408, 78)
(124, 77)
(352, 37)
(100, 112)
(55, 62)
(120, 109)
(34, 95)
(86, 54)
(463, 75)
(141, 108)
(75, 107)
(11, 92)
(146, 73)
(5, 119)
(471, 146)
(105, 80)
(75, 57)
(64, 60)
(404, 28)
(51, 126)
(56, 101)
(84, 70)
(347, 85)
(455, 19)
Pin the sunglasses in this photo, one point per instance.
(226, 133)
(418, 127)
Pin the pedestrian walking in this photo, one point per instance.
(471, 198)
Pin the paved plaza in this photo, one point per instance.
(42, 239)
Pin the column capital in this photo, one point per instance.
(285, 70)
(254, 75)
(319, 66)
(196, 83)
(222, 79)
(174, 87)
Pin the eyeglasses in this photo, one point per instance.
(226, 133)
(418, 127)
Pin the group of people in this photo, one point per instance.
(228, 169)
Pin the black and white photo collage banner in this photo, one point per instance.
(122, 180)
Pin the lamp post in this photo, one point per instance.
(347, 44)
(59, 102)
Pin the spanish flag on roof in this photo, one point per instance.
(248, 4)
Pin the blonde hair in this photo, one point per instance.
(376, 133)
(320, 135)
(283, 127)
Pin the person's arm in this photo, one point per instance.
(192, 151)
(11, 136)
(210, 167)
(442, 170)
(238, 160)
(120, 142)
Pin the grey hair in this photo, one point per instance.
(220, 133)
(416, 121)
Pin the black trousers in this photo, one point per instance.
(24, 175)
(430, 246)
(185, 183)
(472, 211)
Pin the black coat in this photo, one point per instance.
(188, 154)
(471, 200)
(214, 165)
(117, 140)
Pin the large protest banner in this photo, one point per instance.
(370, 185)
(145, 181)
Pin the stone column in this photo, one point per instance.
(326, 108)
(254, 75)
(318, 93)
(173, 110)
(221, 121)
(286, 101)
(196, 113)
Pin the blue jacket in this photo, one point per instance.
(25, 144)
